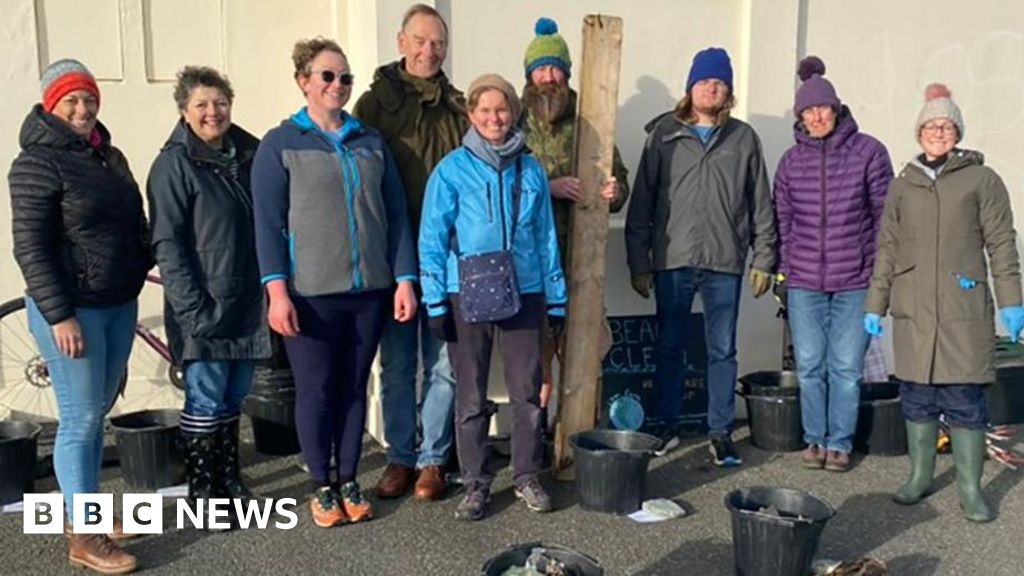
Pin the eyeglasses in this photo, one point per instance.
(329, 76)
(935, 129)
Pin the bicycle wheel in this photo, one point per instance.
(25, 390)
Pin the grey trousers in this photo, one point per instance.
(521, 351)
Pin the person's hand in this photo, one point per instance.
(610, 189)
(566, 188)
(642, 284)
(873, 324)
(281, 315)
(443, 327)
(68, 336)
(405, 301)
(1013, 319)
(555, 326)
(760, 282)
(780, 290)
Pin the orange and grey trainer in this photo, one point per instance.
(325, 506)
(356, 508)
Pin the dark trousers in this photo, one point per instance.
(964, 405)
(521, 350)
(331, 359)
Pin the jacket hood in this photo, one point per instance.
(183, 137)
(392, 90)
(846, 127)
(303, 122)
(41, 128)
(918, 174)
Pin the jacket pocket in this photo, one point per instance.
(901, 300)
(973, 303)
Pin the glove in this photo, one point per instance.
(642, 284)
(555, 326)
(760, 282)
(873, 324)
(1013, 319)
(443, 327)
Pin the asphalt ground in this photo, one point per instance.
(411, 538)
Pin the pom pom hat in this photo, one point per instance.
(815, 90)
(547, 48)
(63, 77)
(939, 104)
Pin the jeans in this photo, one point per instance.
(964, 405)
(214, 391)
(399, 360)
(829, 343)
(720, 293)
(85, 388)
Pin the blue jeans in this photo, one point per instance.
(399, 360)
(214, 391)
(85, 388)
(720, 293)
(829, 343)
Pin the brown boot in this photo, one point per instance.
(395, 481)
(430, 485)
(99, 553)
(117, 534)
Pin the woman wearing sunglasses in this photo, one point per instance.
(336, 256)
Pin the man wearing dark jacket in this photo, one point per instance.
(422, 117)
(701, 200)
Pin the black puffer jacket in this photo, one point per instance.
(80, 236)
(200, 204)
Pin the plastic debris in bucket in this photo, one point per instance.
(147, 444)
(570, 562)
(18, 445)
(880, 427)
(611, 469)
(775, 531)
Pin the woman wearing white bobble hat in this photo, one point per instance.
(944, 212)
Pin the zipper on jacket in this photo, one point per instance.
(824, 209)
(506, 243)
(490, 208)
(938, 219)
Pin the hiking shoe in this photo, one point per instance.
(473, 504)
(356, 508)
(836, 461)
(325, 507)
(534, 495)
(99, 553)
(669, 437)
(814, 457)
(723, 452)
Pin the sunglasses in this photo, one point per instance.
(328, 76)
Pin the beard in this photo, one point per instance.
(549, 103)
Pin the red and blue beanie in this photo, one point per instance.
(64, 76)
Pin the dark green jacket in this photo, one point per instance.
(420, 127)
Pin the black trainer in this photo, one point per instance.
(723, 452)
(669, 436)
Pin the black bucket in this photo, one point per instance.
(147, 444)
(770, 383)
(1006, 395)
(272, 382)
(779, 541)
(775, 423)
(576, 564)
(274, 439)
(611, 469)
(18, 443)
(880, 428)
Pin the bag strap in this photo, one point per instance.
(453, 242)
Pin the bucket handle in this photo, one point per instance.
(788, 522)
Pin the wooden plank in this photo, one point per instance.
(579, 393)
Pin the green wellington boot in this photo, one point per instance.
(921, 444)
(969, 457)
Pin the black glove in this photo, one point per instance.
(555, 326)
(443, 327)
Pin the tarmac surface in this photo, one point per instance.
(412, 538)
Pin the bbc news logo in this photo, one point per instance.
(144, 513)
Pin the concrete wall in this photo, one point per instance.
(879, 54)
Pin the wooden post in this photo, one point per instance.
(595, 141)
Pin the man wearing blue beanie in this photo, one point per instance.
(701, 201)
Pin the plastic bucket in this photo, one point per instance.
(775, 531)
(770, 383)
(576, 564)
(775, 422)
(147, 444)
(274, 439)
(18, 443)
(611, 469)
(1006, 395)
(272, 382)
(880, 428)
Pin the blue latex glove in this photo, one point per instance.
(873, 324)
(1013, 319)
(966, 283)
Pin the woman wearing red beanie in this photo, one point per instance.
(80, 239)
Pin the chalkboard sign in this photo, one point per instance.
(630, 365)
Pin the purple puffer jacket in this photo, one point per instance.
(829, 196)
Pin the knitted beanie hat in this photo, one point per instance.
(815, 90)
(710, 63)
(939, 104)
(547, 48)
(64, 76)
(496, 82)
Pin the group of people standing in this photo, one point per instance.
(430, 222)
